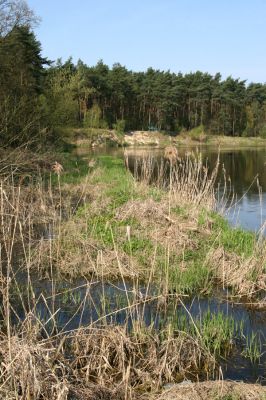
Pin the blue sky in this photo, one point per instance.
(180, 35)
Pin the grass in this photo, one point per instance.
(75, 169)
(163, 237)
(188, 247)
(253, 348)
(198, 136)
(216, 332)
(196, 278)
(236, 240)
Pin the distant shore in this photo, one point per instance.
(102, 137)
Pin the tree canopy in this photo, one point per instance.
(37, 95)
(100, 96)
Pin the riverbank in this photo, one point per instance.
(92, 137)
(149, 251)
(136, 227)
(157, 139)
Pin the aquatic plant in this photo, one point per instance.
(253, 348)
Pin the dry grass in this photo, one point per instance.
(188, 179)
(24, 163)
(94, 362)
(28, 371)
(246, 275)
(215, 390)
(140, 359)
(169, 231)
(171, 154)
(101, 361)
(73, 254)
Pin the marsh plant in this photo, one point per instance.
(253, 347)
(118, 230)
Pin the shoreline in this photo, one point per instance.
(100, 137)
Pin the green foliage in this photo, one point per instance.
(21, 83)
(198, 134)
(120, 126)
(193, 279)
(93, 118)
(262, 132)
(197, 103)
(253, 348)
(61, 85)
(234, 239)
(216, 332)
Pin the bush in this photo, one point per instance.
(93, 118)
(120, 126)
(198, 134)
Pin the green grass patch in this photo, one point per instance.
(216, 331)
(119, 183)
(235, 240)
(194, 278)
(75, 169)
(111, 232)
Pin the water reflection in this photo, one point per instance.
(245, 171)
(83, 304)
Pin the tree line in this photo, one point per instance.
(37, 95)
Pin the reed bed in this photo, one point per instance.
(102, 357)
(115, 226)
(188, 178)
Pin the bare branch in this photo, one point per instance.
(15, 13)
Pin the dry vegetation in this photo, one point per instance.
(111, 225)
(217, 390)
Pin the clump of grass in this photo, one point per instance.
(197, 134)
(253, 348)
(38, 365)
(151, 359)
(216, 332)
(195, 278)
(241, 242)
(245, 276)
